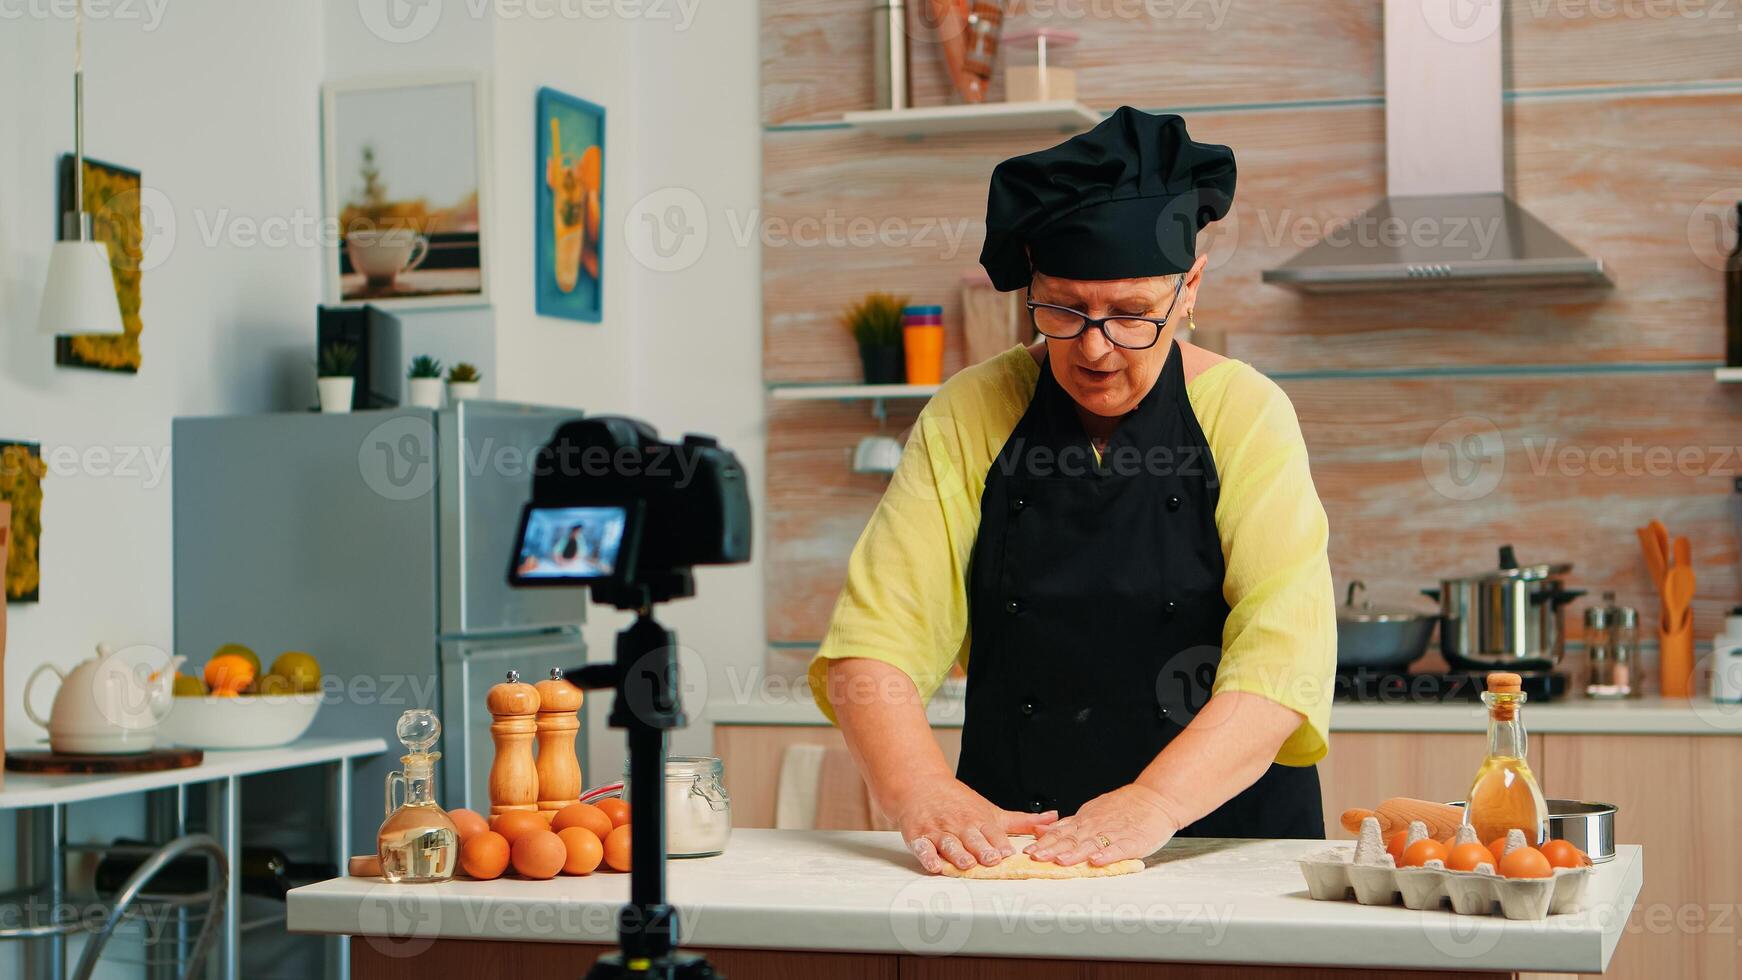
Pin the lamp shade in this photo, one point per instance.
(80, 295)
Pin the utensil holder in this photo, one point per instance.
(1675, 660)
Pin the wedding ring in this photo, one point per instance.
(1102, 840)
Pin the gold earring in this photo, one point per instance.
(1192, 319)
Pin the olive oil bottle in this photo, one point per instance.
(1504, 795)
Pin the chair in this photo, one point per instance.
(132, 891)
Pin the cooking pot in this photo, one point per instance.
(1380, 639)
(1509, 618)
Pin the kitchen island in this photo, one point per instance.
(814, 903)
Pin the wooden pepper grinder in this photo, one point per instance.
(559, 771)
(513, 778)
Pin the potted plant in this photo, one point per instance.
(463, 382)
(425, 375)
(875, 323)
(335, 383)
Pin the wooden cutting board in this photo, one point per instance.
(45, 761)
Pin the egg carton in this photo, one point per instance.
(1372, 876)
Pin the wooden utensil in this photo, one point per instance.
(1684, 553)
(1396, 813)
(559, 770)
(1655, 560)
(513, 776)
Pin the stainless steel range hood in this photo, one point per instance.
(1447, 221)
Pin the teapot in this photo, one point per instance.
(110, 704)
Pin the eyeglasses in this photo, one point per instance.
(1129, 332)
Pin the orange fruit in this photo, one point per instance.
(617, 848)
(1564, 854)
(1465, 857)
(467, 823)
(1525, 862)
(1422, 851)
(484, 855)
(539, 854)
(584, 850)
(614, 808)
(229, 672)
(515, 824)
(582, 815)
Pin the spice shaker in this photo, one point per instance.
(1612, 650)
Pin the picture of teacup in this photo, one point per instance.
(382, 254)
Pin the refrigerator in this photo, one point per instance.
(378, 541)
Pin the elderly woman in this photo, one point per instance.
(1114, 532)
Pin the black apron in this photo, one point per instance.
(1096, 614)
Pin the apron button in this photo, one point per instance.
(1018, 504)
(1173, 503)
(1037, 805)
(1028, 708)
(1168, 609)
(1013, 607)
(1162, 713)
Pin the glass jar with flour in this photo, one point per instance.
(698, 813)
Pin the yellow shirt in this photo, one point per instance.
(906, 598)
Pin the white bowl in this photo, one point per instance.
(242, 722)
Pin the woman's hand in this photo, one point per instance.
(943, 820)
(1133, 820)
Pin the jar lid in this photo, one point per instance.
(1597, 618)
(686, 767)
(1626, 616)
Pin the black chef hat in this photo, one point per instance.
(1122, 201)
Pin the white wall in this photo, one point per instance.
(215, 104)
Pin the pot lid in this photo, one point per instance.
(1510, 569)
(1366, 612)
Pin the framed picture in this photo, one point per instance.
(406, 186)
(569, 202)
(112, 201)
(21, 473)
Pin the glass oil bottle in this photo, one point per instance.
(1505, 795)
(418, 842)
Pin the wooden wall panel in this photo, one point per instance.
(816, 54)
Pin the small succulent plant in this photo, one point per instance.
(424, 366)
(338, 360)
(464, 372)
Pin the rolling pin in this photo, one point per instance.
(1442, 819)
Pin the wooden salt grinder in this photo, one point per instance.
(513, 779)
(559, 771)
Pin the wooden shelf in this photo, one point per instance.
(986, 117)
(848, 393)
(1729, 375)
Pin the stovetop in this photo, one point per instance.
(1391, 687)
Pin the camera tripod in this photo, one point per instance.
(644, 677)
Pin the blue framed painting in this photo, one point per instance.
(570, 205)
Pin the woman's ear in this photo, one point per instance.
(1194, 278)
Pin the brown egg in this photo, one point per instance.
(467, 823)
(1465, 857)
(539, 854)
(1525, 862)
(584, 850)
(617, 848)
(582, 815)
(484, 855)
(616, 809)
(1564, 854)
(515, 824)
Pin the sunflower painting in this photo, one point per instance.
(21, 473)
(112, 201)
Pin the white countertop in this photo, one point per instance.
(26, 789)
(1198, 901)
(1639, 716)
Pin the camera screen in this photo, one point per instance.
(574, 543)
